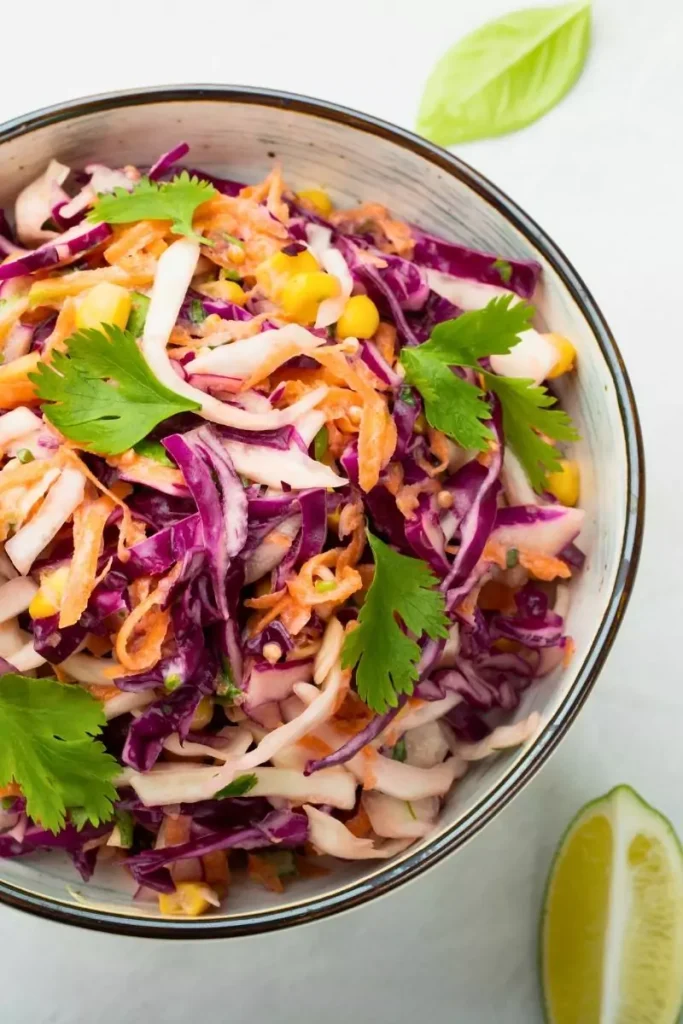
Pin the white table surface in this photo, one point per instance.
(601, 175)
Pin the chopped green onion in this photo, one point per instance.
(238, 787)
(512, 558)
(325, 586)
(124, 821)
(229, 275)
(399, 752)
(321, 443)
(139, 304)
(406, 395)
(172, 683)
(25, 455)
(197, 312)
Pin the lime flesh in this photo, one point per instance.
(612, 929)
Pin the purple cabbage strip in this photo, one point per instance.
(477, 523)
(485, 267)
(436, 310)
(281, 828)
(223, 514)
(167, 160)
(225, 186)
(377, 288)
(157, 554)
(274, 633)
(69, 839)
(72, 243)
(312, 535)
(357, 742)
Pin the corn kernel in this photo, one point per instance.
(188, 900)
(316, 199)
(106, 303)
(360, 318)
(564, 484)
(566, 355)
(49, 597)
(229, 291)
(273, 274)
(203, 714)
(303, 293)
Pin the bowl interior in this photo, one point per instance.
(241, 138)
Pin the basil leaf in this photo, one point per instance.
(505, 74)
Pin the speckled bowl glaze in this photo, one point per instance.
(240, 132)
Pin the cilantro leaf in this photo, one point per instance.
(48, 748)
(490, 331)
(174, 200)
(460, 409)
(238, 787)
(451, 404)
(386, 658)
(86, 409)
(154, 450)
(526, 415)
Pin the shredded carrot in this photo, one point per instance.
(52, 291)
(314, 745)
(351, 554)
(369, 755)
(393, 477)
(507, 646)
(101, 691)
(261, 870)
(217, 871)
(15, 387)
(278, 355)
(27, 473)
(147, 471)
(385, 340)
(134, 238)
(544, 567)
(265, 600)
(176, 829)
(569, 651)
(359, 825)
(270, 189)
(98, 645)
(408, 497)
(352, 715)
(88, 530)
(63, 329)
(371, 442)
(128, 532)
(155, 620)
(438, 446)
(302, 587)
(398, 237)
(11, 789)
(495, 596)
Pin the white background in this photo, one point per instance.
(602, 175)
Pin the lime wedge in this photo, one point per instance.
(612, 929)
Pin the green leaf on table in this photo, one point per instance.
(506, 74)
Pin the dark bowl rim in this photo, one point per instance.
(355, 894)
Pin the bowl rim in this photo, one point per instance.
(525, 767)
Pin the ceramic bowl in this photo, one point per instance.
(356, 157)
